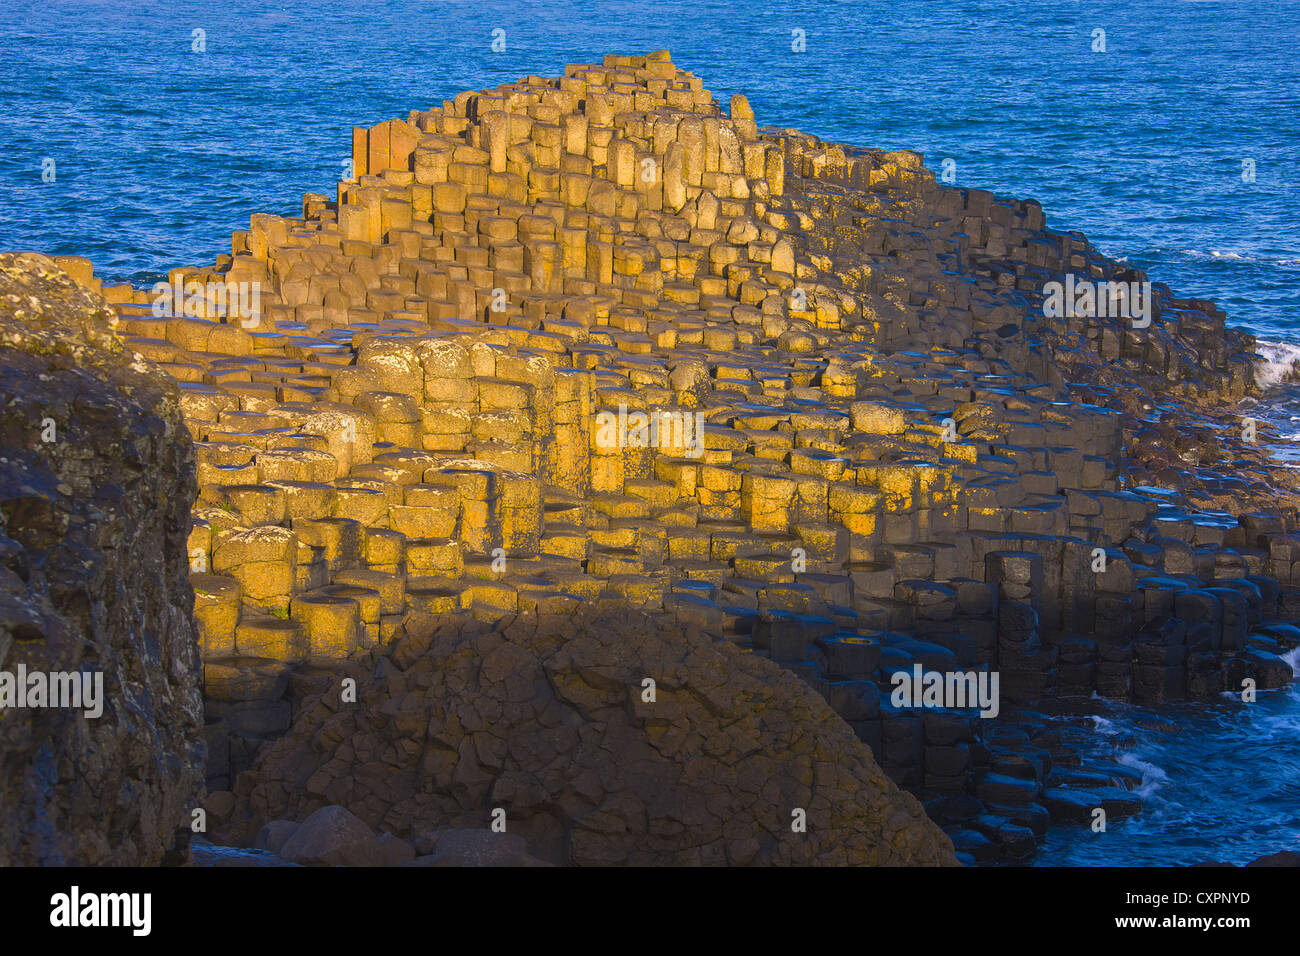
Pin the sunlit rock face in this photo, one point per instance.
(601, 340)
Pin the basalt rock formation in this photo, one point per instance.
(594, 338)
(96, 487)
(729, 759)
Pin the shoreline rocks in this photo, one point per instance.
(594, 343)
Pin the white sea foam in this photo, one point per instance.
(1210, 254)
(1278, 362)
(1213, 255)
(1152, 776)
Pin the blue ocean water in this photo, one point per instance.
(1220, 783)
(1177, 148)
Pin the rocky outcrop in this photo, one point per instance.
(600, 337)
(550, 730)
(96, 486)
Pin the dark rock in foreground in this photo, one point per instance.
(96, 485)
(549, 719)
(926, 431)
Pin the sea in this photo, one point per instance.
(141, 134)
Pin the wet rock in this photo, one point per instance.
(205, 854)
(1077, 805)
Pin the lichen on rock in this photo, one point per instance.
(96, 485)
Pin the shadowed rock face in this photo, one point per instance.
(96, 486)
(548, 718)
(598, 337)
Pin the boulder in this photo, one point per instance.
(332, 836)
(274, 835)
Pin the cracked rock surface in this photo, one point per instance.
(548, 718)
(96, 485)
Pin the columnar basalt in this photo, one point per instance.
(907, 454)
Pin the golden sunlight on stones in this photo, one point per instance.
(595, 340)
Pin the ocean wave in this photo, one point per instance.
(1278, 362)
(1152, 776)
(1104, 726)
(1216, 255)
